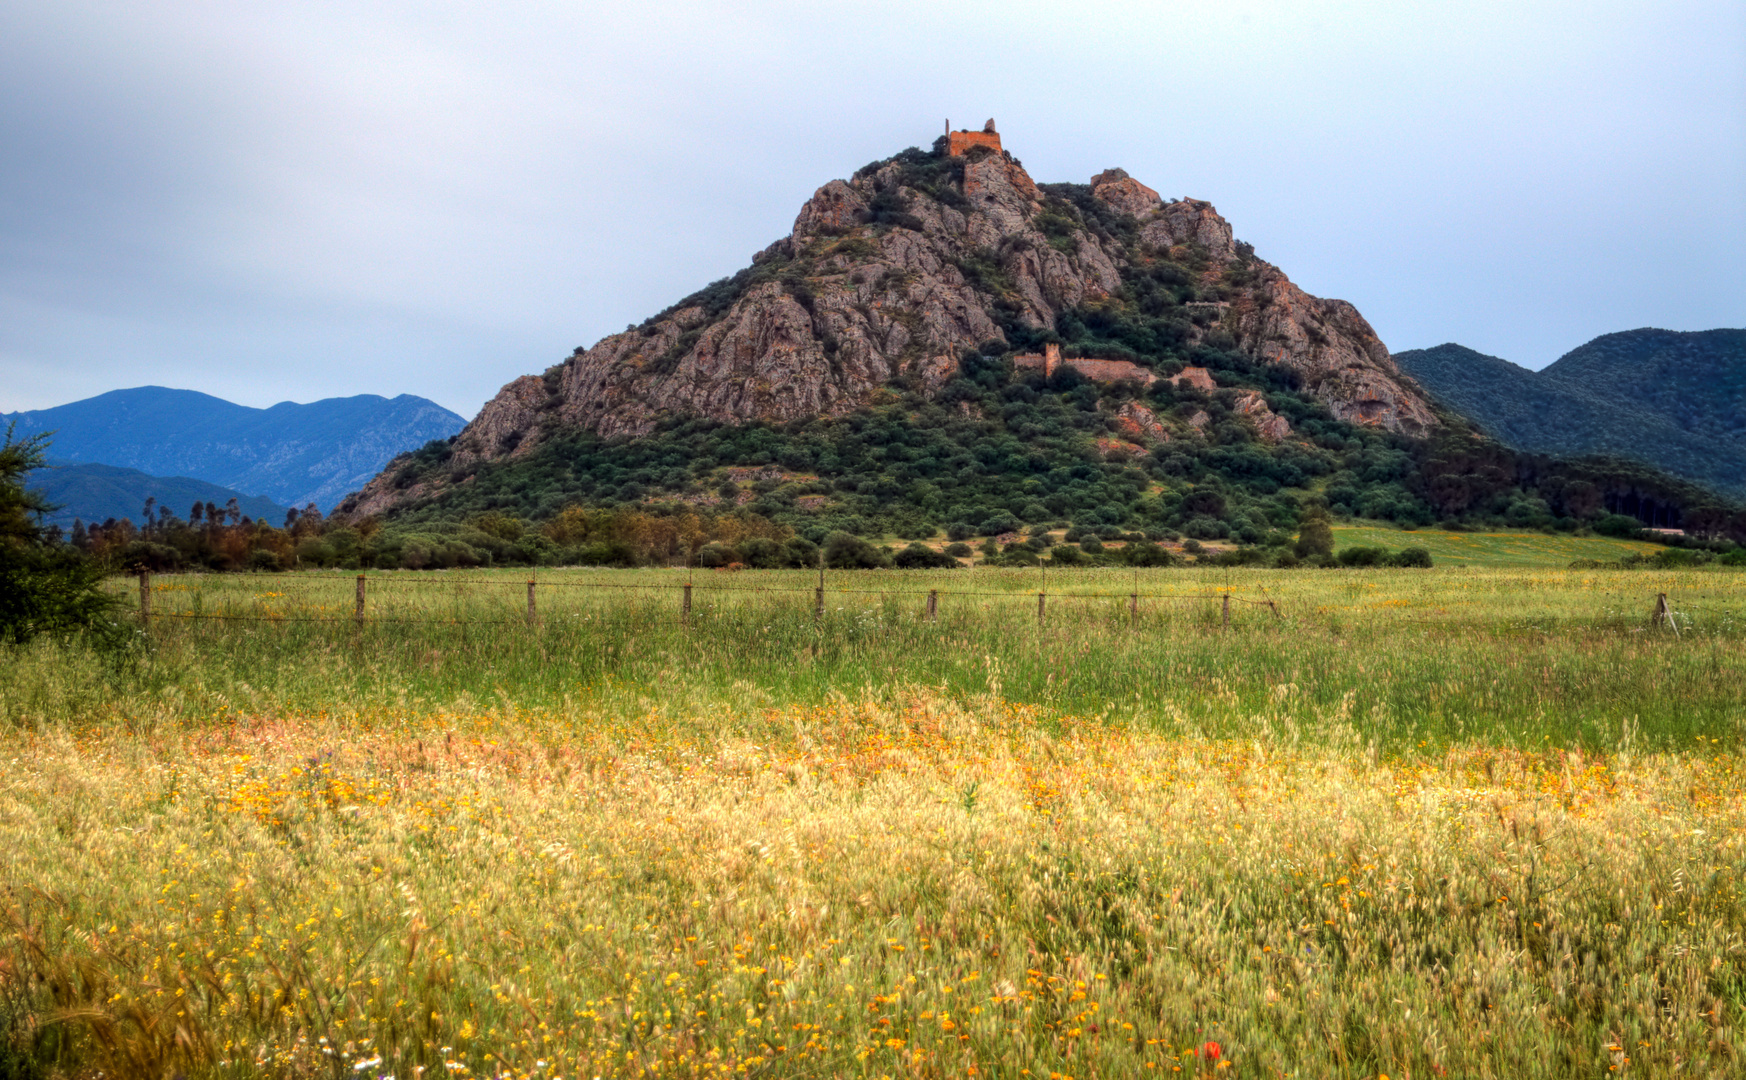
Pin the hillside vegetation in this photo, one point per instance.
(999, 450)
(97, 493)
(1673, 401)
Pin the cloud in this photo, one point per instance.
(298, 201)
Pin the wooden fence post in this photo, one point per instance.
(1133, 607)
(145, 597)
(685, 606)
(933, 605)
(1663, 614)
(1227, 611)
(358, 609)
(532, 614)
(1040, 600)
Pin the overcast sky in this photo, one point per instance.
(272, 201)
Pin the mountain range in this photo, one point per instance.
(1673, 400)
(95, 493)
(289, 454)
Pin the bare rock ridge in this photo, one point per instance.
(893, 274)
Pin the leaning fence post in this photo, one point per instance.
(358, 610)
(145, 596)
(532, 615)
(1663, 614)
(933, 605)
(1227, 611)
(685, 605)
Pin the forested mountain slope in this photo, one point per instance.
(95, 493)
(1674, 401)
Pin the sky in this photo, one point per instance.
(270, 201)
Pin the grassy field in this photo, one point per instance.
(1504, 548)
(1457, 822)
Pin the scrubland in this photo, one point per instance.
(1418, 823)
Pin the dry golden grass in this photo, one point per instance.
(900, 883)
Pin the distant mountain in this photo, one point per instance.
(291, 454)
(1673, 400)
(95, 493)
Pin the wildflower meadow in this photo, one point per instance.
(1448, 823)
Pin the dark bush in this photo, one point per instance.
(1067, 555)
(1618, 525)
(1413, 557)
(846, 551)
(801, 552)
(1146, 553)
(1362, 556)
(713, 555)
(922, 557)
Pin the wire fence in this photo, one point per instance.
(475, 600)
(367, 599)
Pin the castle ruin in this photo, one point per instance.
(1050, 361)
(959, 143)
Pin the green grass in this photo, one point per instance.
(1455, 822)
(1501, 548)
(1524, 658)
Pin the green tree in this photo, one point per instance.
(1315, 536)
(46, 587)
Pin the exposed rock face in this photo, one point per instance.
(877, 304)
(1272, 426)
(893, 274)
(1336, 352)
(1194, 376)
(1116, 187)
(1190, 221)
(502, 425)
(1341, 359)
(1140, 423)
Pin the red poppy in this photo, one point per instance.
(1210, 1050)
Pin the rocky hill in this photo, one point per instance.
(890, 280)
(1675, 401)
(291, 454)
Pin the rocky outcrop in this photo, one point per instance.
(1190, 221)
(502, 425)
(1117, 188)
(891, 275)
(1333, 349)
(1271, 426)
(1197, 377)
(1140, 423)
